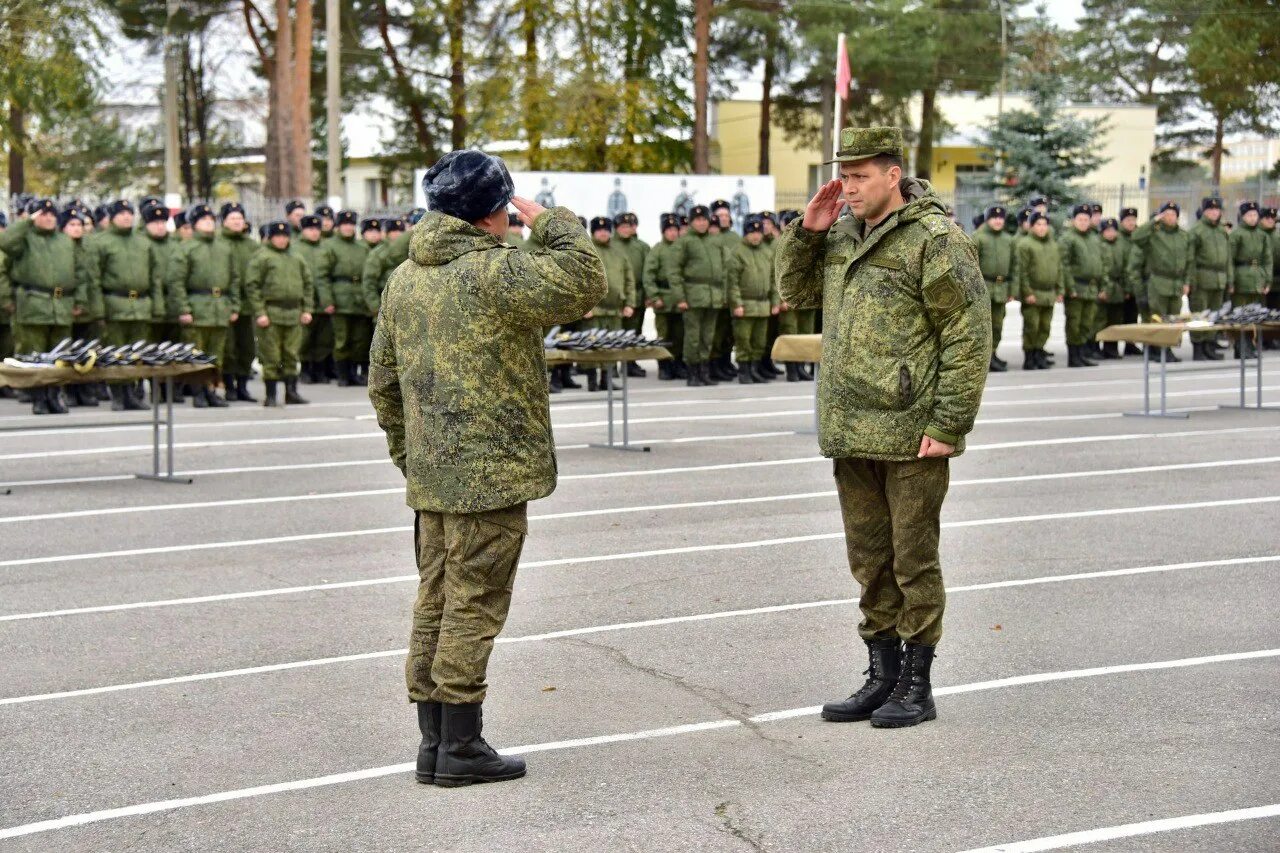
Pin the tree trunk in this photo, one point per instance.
(280, 146)
(1216, 153)
(924, 149)
(702, 46)
(532, 92)
(827, 90)
(17, 170)
(766, 100)
(301, 183)
(457, 75)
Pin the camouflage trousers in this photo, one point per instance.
(466, 571)
(699, 334)
(278, 350)
(317, 342)
(1080, 315)
(891, 516)
(997, 323)
(241, 347)
(749, 334)
(1035, 325)
(352, 336)
(209, 339)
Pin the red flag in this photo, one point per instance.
(844, 76)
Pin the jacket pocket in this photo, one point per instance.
(904, 386)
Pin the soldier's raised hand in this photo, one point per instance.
(824, 208)
(528, 210)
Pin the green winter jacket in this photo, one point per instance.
(1114, 265)
(694, 267)
(621, 277)
(638, 251)
(1037, 268)
(379, 266)
(749, 279)
(342, 271)
(1251, 255)
(906, 336)
(164, 247)
(126, 269)
(278, 284)
(1082, 266)
(655, 276)
(995, 256)
(1161, 258)
(203, 280)
(457, 372)
(46, 282)
(1211, 267)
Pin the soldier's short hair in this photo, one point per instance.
(885, 161)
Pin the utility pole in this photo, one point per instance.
(333, 100)
(1004, 64)
(172, 188)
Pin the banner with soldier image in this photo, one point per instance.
(591, 194)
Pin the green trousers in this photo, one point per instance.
(1107, 314)
(127, 331)
(1165, 306)
(317, 340)
(670, 327)
(241, 347)
(466, 571)
(211, 340)
(636, 321)
(699, 334)
(797, 321)
(722, 343)
(609, 324)
(30, 337)
(1035, 325)
(997, 323)
(6, 334)
(1239, 298)
(1205, 300)
(749, 335)
(891, 514)
(279, 348)
(352, 336)
(1080, 319)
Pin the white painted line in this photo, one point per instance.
(91, 430)
(1131, 830)
(626, 626)
(576, 743)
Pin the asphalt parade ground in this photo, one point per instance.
(218, 666)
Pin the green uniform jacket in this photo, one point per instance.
(621, 277)
(1274, 234)
(279, 285)
(995, 256)
(638, 251)
(457, 372)
(126, 269)
(1037, 269)
(164, 247)
(203, 280)
(46, 281)
(242, 246)
(906, 336)
(1132, 284)
(749, 279)
(311, 253)
(1115, 268)
(655, 277)
(1082, 267)
(1161, 257)
(94, 309)
(1211, 267)
(694, 266)
(342, 273)
(1251, 255)
(379, 266)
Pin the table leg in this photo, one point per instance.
(1146, 389)
(626, 416)
(168, 476)
(1244, 376)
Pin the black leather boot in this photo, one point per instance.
(429, 714)
(806, 372)
(1197, 351)
(1082, 353)
(882, 675)
(88, 395)
(635, 371)
(793, 372)
(566, 377)
(593, 384)
(242, 390)
(200, 398)
(1170, 356)
(1046, 357)
(1030, 360)
(215, 400)
(1211, 351)
(708, 375)
(117, 398)
(606, 379)
(553, 381)
(745, 376)
(291, 395)
(1073, 356)
(463, 756)
(770, 368)
(1132, 349)
(911, 701)
(760, 373)
(269, 398)
(344, 374)
(39, 401)
(994, 366)
(694, 379)
(57, 400)
(1111, 351)
(666, 371)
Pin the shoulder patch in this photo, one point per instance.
(936, 224)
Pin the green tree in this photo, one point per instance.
(81, 153)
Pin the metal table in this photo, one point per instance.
(610, 358)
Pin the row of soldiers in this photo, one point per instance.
(1112, 271)
(305, 292)
(713, 292)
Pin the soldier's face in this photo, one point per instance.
(670, 234)
(723, 217)
(205, 225)
(755, 238)
(312, 233)
(1212, 214)
(347, 229)
(234, 221)
(122, 220)
(1110, 235)
(700, 224)
(1250, 218)
(280, 241)
(1268, 222)
(184, 232)
(373, 236)
(1169, 218)
(73, 229)
(627, 230)
(296, 217)
(1129, 223)
(867, 188)
(1095, 219)
(600, 235)
(770, 229)
(45, 220)
(1081, 221)
(1041, 228)
(996, 223)
(157, 229)
(326, 223)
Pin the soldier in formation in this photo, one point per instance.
(995, 258)
(1210, 274)
(280, 295)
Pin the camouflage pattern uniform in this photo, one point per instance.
(751, 286)
(278, 285)
(905, 349)
(1211, 272)
(1251, 256)
(995, 255)
(1037, 272)
(1082, 277)
(203, 280)
(1162, 257)
(467, 420)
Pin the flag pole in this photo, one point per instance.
(837, 113)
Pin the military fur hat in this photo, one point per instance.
(626, 219)
(720, 204)
(155, 213)
(416, 214)
(1171, 205)
(100, 213)
(230, 208)
(324, 211)
(1126, 212)
(180, 219)
(699, 210)
(291, 206)
(370, 225)
(669, 220)
(996, 211)
(392, 224)
(1035, 216)
(1211, 203)
(513, 220)
(346, 217)
(769, 215)
(66, 216)
(147, 201)
(276, 228)
(1246, 206)
(262, 231)
(1024, 214)
(309, 220)
(753, 224)
(119, 206)
(788, 216)
(684, 220)
(601, 223)
(4, 220)
(1094, 207)
(42, 205)
(1086, 209)
(1268, 213)
(1111, 223)
(978, 219)
(861, 143)
(468, 185)
(1038, 201)
(197, 212)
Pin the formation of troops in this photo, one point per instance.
(302, 297)
(1112, 271)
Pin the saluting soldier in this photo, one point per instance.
(624, 236)
(753, 298)
(382, 262)
(667, 319)
(898, 392)
(1162, 256)
(203, 281)
(280, 295)
(995, 257)
(44, 292)
(341, 271)
(1252, 258)
(1082, 273)
(89, 324)
(317, 342)
(242, 343)
(614, 308)
(1110, 310)
(1211, 272)
(1037, 279)
(694, 267)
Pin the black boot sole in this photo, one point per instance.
(931, 714)
(449, 780)
(837, 717)
(425, 778)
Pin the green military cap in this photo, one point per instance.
(859, 143)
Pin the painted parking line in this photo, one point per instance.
(629, 626)
(139, 809)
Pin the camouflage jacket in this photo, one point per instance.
(457, 374)
(995, 256)
(382, 261)
(1251, 254)
(278, 284)
(906, 336)
(1082, 264)
(621, 277)
(1211, 267)
(749, 279)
